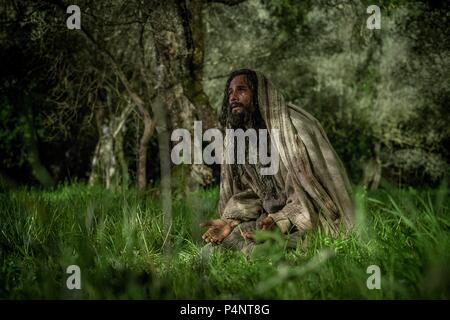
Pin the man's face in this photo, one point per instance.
(240, 95)
(240, 102)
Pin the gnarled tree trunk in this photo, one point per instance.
(178, 34)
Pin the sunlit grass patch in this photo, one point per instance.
(117, 240)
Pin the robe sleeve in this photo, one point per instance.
(291, 214)
(243, 206)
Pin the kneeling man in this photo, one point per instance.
(309, 190)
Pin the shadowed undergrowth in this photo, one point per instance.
(116, 239)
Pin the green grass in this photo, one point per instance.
(117, 240)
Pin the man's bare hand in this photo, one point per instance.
(217, 231)
(267, 223)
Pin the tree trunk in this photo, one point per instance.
(104, 162)
(372, 170)
(31, 145)
(108, 163)
(123, 164)
(159, 111)
(149, 128)
(178, 34)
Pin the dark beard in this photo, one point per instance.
(242, 120)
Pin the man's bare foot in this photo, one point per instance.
(267, 223)
(249, 235)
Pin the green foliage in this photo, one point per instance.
(385, 87)
(366, 87)
(10, 135)
(117, 240)
(290, 14)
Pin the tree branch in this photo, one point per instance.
(133, 95)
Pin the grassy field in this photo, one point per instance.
(117, 241)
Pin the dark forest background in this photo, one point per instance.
(87, 105)
(85, 123)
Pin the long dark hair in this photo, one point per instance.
(252, 80)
